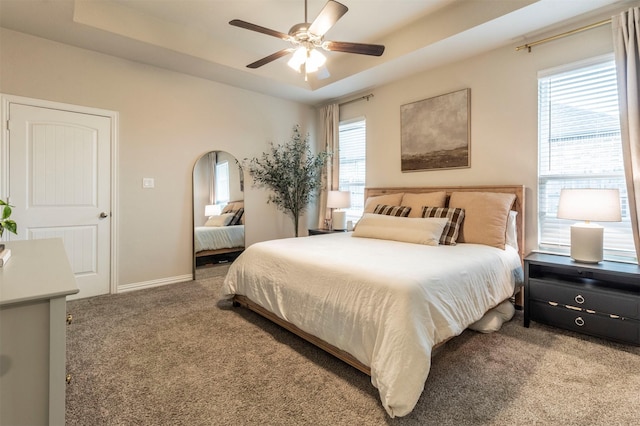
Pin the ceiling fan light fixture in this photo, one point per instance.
(315, 60)
(298, 58)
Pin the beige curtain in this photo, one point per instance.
(330, 125)
(626, 43)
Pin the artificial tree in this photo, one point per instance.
(292, 173)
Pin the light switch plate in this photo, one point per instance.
(148, 183)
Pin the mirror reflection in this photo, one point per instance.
(218, 209)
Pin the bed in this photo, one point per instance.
(379, 302)
(221, 234)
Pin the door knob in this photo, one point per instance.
(103, 215)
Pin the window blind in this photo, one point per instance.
(222, 182)
(352, 173)
(580, 147)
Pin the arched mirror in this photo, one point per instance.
(218, 209)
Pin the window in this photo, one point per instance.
(352, 141)
(579, 147)
(222, 182)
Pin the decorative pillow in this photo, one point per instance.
(405, 229)
(233, 206)
(452, 228)
(237, 218)
(221, 220)
(418, 201)
(398, 211)
(485, 216)
(512, 230)
(389, 199)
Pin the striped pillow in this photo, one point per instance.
(452, 228)
(237, 217)
(398, 211)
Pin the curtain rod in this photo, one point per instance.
(370, 95)
(528, 46)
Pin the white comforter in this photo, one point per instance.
(218, 237)
(386, 303)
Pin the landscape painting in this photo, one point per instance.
(435, 132)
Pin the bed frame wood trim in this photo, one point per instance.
(219, 251)
(519, 206)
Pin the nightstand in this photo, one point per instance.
(600, 299)
(321, 231)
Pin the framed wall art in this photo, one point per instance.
(436, 132)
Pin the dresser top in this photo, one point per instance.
(565, 261)
(37, 269)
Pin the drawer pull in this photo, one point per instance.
(67, 379)
(614, 316)
(69, 318)
(553, 303)
(579, 322)
(591, 311)
(574, 308)
(579, 299)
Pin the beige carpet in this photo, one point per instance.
(178, 355)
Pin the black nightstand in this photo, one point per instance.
(324, 231)
(600, 299)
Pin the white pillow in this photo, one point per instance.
(406, 229)
(221, 220)
(512, 231)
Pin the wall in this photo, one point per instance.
(504, 143)
(167, 121)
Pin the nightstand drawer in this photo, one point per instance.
(597, 325)
(623, 304)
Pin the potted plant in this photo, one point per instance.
(5, 222)
(292, 173)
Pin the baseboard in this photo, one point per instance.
(154, 283)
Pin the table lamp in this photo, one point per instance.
(212, 210)
(338, 200)
(598, 205)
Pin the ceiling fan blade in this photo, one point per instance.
(270, 58)
(360, 48)
(327, 18)
(253, 27)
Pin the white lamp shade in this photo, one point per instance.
(597, 205)
(338, 199)
(212, 210)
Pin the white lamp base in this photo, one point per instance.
(339, 220)
(586, 242)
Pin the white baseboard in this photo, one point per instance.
(154, 283)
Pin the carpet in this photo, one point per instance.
(180, 355)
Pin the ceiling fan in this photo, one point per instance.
(306, 38)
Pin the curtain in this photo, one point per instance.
(330, 126)
(626, 44)
(213, 160)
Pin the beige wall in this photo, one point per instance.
(504, 132)
(167, 121)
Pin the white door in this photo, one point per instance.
(59, 185)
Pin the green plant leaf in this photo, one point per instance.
(291, 172)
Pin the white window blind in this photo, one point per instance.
(580, 147)
(222, 182)
(353, 157)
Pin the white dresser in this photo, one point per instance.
(34, 284)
